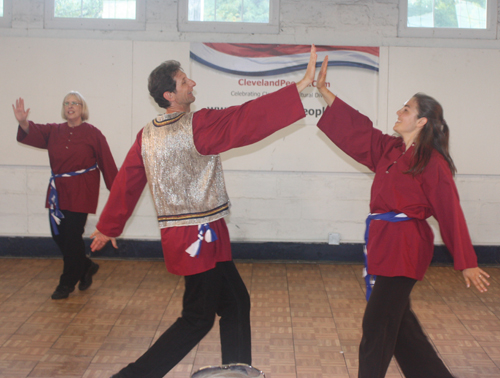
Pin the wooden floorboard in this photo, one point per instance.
(306, 320)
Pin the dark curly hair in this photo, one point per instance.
(434, 135)
(161, 80)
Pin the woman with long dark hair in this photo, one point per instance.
(413, 181)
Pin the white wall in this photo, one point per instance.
(110, 69)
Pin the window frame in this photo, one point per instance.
(489, 33)
(52, 22)
(6, 19)
(273, 27)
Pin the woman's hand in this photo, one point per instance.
(310, 71)
(320, 83)
(100, 241)
(21, 114)
(478, 277)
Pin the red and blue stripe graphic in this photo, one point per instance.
(274, 59)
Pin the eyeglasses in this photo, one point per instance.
(67, 103)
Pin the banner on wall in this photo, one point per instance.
(272, 60)
(230, 74)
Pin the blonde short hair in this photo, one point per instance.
(85, 109)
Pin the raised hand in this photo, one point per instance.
(310, 71)
(320, 83)
(21, 114)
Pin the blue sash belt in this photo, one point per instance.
(389, 217)
(55, 213)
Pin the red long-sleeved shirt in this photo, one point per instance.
(71, 149)
(402, 248)
(214, 131)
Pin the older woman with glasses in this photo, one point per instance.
(77, 152)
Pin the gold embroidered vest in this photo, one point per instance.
(187, 188)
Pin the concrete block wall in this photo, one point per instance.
(266, 206)
(297, 207)
(480, 199)
(306, 207)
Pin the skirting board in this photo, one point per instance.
(38, 247)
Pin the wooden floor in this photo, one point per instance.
(305, 320)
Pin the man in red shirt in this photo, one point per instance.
(177, 154)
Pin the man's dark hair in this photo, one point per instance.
(161, 80)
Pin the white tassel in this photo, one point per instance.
(208, 236)
(57, 220)
(193, 248)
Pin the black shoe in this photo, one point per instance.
(86, 281)
(62, 292)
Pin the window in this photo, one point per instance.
(5, 13)
(117, 9)
(448, 18)
(229, 16)
(95, 14)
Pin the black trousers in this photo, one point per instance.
(391, 328)
(218, 291)
(70, 242)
